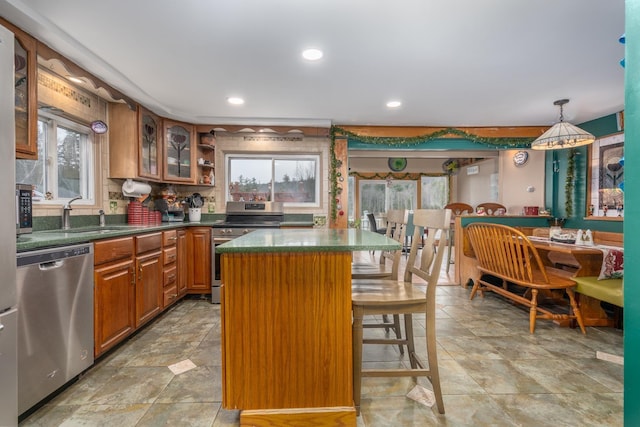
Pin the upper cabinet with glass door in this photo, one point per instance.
(25, 81)
(179, 152)
(150, 145)
(135, 145)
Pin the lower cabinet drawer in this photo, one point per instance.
(169, 255)
(170, 276)
(170, 295)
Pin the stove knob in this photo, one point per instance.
(245, 231)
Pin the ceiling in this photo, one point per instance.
(450, 62)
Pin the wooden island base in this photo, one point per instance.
(335, 417)
(286, 334)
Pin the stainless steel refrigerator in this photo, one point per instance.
(8, 299)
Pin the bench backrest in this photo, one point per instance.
(507, 253)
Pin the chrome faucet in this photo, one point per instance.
(66, 213)
(102, 222)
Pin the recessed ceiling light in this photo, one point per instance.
(394, 104)
(312, 54)
(75, 79)
(234, 100)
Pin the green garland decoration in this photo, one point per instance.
(393, 175)
(500, 142)
(504, 143)
(570, 183)
(333, 177)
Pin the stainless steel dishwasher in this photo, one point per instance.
(55, 323)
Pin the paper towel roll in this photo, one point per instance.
(132, 188)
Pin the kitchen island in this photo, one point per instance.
(286, 324)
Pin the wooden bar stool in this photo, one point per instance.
(371, 297)
(395, 229)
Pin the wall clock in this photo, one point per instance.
(520, 158)
(397, 164)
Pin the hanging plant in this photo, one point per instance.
(451, 166)
(333, 176)
(569, 183)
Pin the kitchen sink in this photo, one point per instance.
(100, 230)
(90, 230)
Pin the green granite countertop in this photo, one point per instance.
(308, 240)
(52, 238)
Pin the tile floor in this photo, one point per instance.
(494, 373)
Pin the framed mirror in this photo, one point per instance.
(606, 182)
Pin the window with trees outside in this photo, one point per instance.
(65, 167)
(378, 196)
(291, 179)
(434, 192)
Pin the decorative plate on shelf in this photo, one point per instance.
(397, 164)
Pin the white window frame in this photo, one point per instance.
(87, 155)
(315, 157)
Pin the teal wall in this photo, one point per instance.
(556, 174)
(632, 214)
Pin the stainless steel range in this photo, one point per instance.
(241, 218)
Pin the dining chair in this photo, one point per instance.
(370, 297)
(490, 208)
(373, 225)
(396, 229)
(457, 209)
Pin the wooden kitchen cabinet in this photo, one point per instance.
(179, 152)
(170, 267)
(135, 143)
(149, 144)
(182, 265)
(149, 278)
(114, 292)
(26, 85)
(199, 259)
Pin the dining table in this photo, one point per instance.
(587, 259)
(583, 261)
(570, 259)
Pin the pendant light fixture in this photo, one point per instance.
(562, 134)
